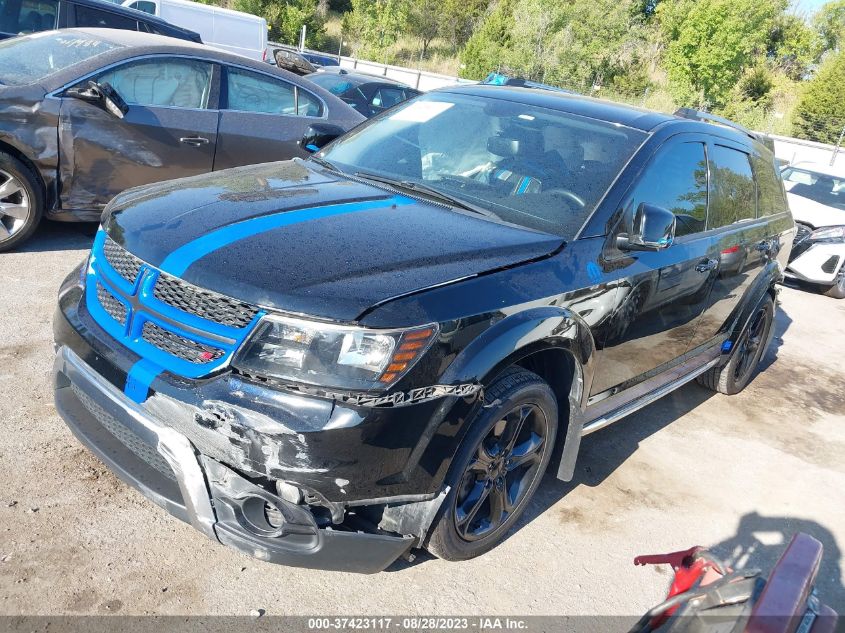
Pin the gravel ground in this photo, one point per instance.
(740, 474)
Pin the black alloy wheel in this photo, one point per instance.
(498, 466)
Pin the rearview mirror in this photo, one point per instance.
(103, 95)
(318, 135)
(653, 229)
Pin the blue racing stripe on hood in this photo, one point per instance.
(179, 260)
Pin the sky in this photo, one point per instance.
(807, 6)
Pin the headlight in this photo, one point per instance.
(828, 233)
(341, 357)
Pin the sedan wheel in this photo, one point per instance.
(21, 202)
(15, 207)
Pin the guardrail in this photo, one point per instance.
(419, 79)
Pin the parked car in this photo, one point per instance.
(368, 94)
(329, 362)
(816, 196)
(96, 111)
(234, 31)
(20, 17)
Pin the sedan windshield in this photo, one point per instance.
(534, 167)
(32, 58)
(821, 188)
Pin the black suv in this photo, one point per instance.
(329, 362)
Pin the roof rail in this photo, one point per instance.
(698, 115)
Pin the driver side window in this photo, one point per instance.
(676, 180)
(177, 83)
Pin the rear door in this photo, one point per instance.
(263, 118)
(663, 291)
(744, 239)
(170, 130)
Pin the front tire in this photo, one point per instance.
(747, 352)
(21, 202)
(498, 467)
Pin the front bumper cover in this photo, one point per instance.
(163, 465)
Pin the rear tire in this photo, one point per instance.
(837, 290)
(747, 352)
(498, 466)
(21, 202)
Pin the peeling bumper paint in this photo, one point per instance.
(164, 465)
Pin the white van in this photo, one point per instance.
(234, 31)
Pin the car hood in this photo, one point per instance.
(815, 214)
(305, 240)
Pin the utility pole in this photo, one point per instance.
(836, 149)
(302, 38)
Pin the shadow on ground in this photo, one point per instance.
(59, 236)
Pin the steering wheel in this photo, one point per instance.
(566, 193)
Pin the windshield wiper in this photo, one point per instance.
(431, 192)
(322, 162)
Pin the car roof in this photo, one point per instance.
(359, 78)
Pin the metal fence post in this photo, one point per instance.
(836, 149)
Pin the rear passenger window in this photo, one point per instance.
(253, 92)
(676, 180)
(308, 104)
(88, 17)
(770, 194)
(733, 193)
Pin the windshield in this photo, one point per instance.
(821, 188)
(530, 166)
(30, 59)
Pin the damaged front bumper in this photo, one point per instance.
(165, 466)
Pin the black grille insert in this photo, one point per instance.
(203, 303)
(179, 346)
(830, 265)
(124, 262)
(115, 308)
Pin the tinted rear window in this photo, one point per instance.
(26, 60)
(337, 85)
(734, 195)
(28, 16)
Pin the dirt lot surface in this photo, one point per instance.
(741, 474)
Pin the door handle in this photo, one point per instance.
(706, 265)
(196, 141)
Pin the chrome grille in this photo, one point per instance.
(126, 437)
(203, 303)
(179, 346)
(115, 308)
(124, 262)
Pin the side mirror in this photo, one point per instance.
(103, 95)
(318, 135)
(654, 230)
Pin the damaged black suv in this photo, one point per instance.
(329, 362)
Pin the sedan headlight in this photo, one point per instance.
(832, 233)
(335, 356)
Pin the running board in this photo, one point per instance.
(636, 405)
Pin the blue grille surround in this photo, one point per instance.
(143, 307)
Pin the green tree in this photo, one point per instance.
(713, 45)
(459, 19)
(820, 113)
(285, 18)
(423, 19)
(793, 45)
(486, 48)
(830, 23)
(373, 26)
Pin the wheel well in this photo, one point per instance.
(557, 368)
(13, 151)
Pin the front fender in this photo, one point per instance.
(520, 335)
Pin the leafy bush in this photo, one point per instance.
(820, 114)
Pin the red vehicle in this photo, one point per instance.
(705, 596)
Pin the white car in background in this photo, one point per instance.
(235, 31)
(816, 195)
